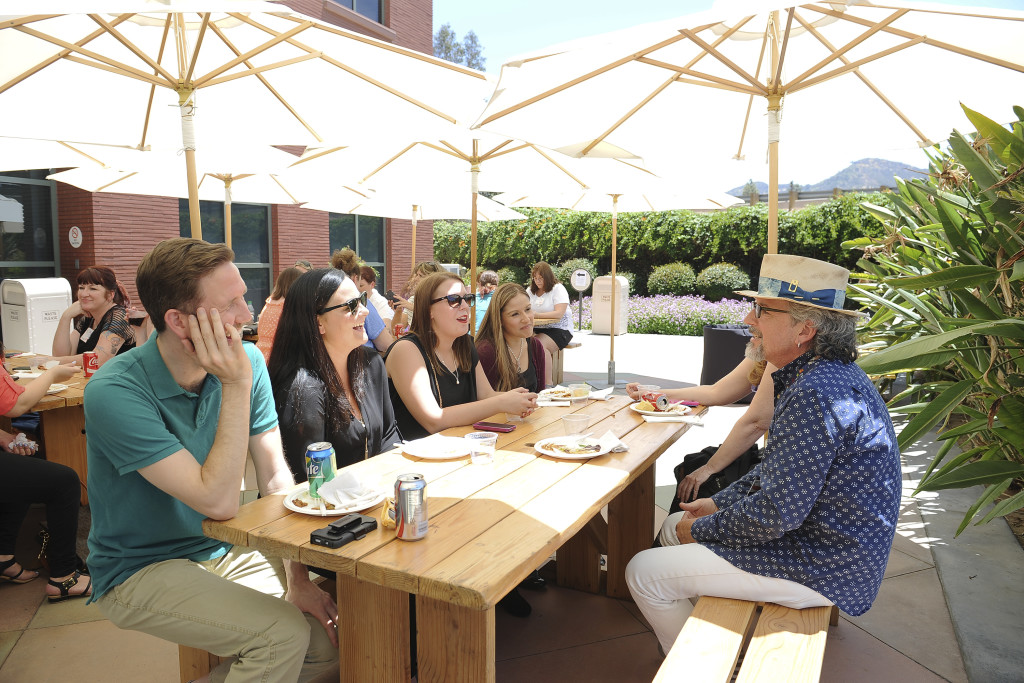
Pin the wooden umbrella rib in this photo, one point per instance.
(197, 49)
(704, 79)
(625, 117)
(100, 60)
(392, 159)
(838, 53)
(846, 68)
(279, 184)
(101, 188)
(444, 147)
(252, 71)
(30, 19)
(559, 166)
(132, 47)
(277, 40)
(78, 151)
(750, 101)
(494, 151)
(152, 88)
(316, 155)
(721, 39)
(266, 84)
(119, 70)
(503, 152)
(777, 77)
(811, 29)
(742, 73)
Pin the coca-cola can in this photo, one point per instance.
(411, 507)
(656, 399)
(91, 362)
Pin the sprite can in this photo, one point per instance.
(320, 466)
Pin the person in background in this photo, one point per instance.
(486, 282)
(510, 354)
(303, 265)
(99, 317)
(378, 336)
(436, 378)
(404, 306)
(271, 313)
(367, 282)
(552, 319)
(812, 524)
(25, 480)
(327, 385)
(195, 401)
(750, 427)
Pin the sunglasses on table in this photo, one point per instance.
(352, 305)
(758, 309)
(454, 300)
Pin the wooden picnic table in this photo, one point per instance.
(490, 526)
(61, 422)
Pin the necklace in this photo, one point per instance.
(519, 365)
(454, 373)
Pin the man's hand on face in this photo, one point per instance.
(218, 347)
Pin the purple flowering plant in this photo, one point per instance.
(666, 314)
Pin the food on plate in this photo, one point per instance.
(575, 448)
(303, 499)
(645, 405)
(556, 393)
(678, 408)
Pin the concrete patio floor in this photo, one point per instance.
(949, 609)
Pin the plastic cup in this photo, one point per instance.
(579, 392)
(575, 425)
(644, 388)
(481, 447)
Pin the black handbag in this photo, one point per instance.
(718, 481)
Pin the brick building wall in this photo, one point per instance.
(300, 234)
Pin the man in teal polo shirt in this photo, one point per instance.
(168, 427)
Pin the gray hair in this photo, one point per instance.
(836, 337)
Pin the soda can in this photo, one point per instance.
(400, 330)
(656, 399)
(320, 466)
(411, 507)
(90, 362)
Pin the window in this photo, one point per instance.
(27, 225)
(250, 240)
(368, 8)
(363, 234)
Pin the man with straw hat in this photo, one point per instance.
(812, 524)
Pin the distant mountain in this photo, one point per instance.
(863, 174)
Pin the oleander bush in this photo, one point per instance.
(686, 315)
(720, 281)
(673, 278)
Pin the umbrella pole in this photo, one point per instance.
(615, 327)
(773, 173)
(227, 213)
(474, 173)
(415, 209)
(188, 140)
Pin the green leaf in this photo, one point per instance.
(999, 137)
(937, 410)
(991, 493)
(1004, 508)
(972, 427)
(973, 474)
(957, 276)
(949, 466)
(893, 363)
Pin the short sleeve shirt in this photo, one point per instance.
(546, 302)
(373, 325)
(136, 415)
(115, 321)
(9, 392)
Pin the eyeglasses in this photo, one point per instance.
(758, 309)
(352, 305)
(455, 300)
(304, 264)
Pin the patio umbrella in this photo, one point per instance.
(848, 76)
(466, 161)
(18, 154)
(137, 72)
(246, 174)
(657, 197)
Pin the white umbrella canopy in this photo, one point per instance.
(442, 204)
(848, 79)
(19, 154)
(657, 197)
(136, 72)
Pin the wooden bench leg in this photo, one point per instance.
(194, 663)
(556, 367)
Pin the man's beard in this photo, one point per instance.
(754, 352)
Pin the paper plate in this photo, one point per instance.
(549, 447)
(28, 374)
(437, 447)
(355, 506)
(56, 388)
(554, 394)
(660, 413)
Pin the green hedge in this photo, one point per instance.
(737, 235)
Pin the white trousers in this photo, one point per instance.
(662, 581)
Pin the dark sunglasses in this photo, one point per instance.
(455, 299)
(352, 305)
(758, 308)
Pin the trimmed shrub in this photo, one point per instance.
(720, 281)
(630, 278)
(516, 274)
(674, 278)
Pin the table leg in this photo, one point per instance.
(63, 432)
(630, 529)
(373, 632)
(454, 643)
(579, 559)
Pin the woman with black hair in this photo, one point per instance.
(100, 317)
(327, 385)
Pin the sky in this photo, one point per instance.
(507, 28)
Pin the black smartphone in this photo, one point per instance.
(494, 427)
(390, 296)
(338, 533)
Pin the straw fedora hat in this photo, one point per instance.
(804, 281)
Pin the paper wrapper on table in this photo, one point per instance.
(603, 394)
(688, 419)
(612, 443)
(346, 490)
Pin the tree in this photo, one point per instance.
(468, 52)
(447, 45)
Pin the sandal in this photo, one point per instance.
(65, 587)
(7, 564)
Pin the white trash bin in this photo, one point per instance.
(601, 306)
(31, 312)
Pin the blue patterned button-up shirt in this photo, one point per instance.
(821, 507)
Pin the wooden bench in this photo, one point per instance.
(767, 641)
(556, 369)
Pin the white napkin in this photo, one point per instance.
(28, 374)
(346, 490)
(611, 442)
(556, 402)
(675, 418)
(603, 394)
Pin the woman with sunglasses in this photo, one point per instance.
(436, 378)
(509, 352)
(327, 385)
